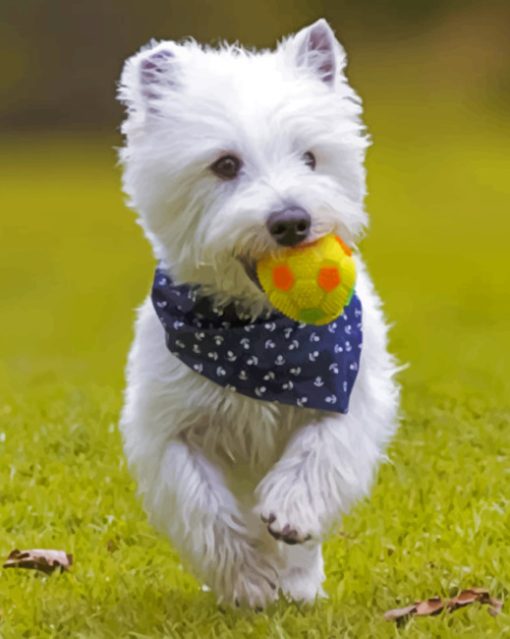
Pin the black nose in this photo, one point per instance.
(290, 226)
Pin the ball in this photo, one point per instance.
(311, 283)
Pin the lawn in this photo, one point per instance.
(73, 266)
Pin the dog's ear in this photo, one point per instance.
(147, 77)
(317, 49)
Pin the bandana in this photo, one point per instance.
(272, 358)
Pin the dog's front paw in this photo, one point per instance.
(288, 514)
(254, 585)
(303, 585)
(286, 531)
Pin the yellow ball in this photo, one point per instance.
(311, 283)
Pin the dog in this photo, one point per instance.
(231, 155)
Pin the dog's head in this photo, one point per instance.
(230, 153)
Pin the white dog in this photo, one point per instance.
(229, 154)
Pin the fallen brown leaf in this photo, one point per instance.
(467, 597)
(495, 607)
(472, 595)
(435, 605)
(46, 561)
(426, 608)
(429, 607)
(397, 614)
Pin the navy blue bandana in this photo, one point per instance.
(272, 358)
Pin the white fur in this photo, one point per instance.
(212, 466)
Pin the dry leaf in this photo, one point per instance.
(46, 561)
(435, 605)
(429, 607)
(398, 614)
(495, 606)
(426, 608)
(467, 597)
(472, 595)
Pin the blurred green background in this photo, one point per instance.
(435, 79)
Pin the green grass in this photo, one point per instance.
(73, 265)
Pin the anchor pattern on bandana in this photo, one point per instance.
(272, 358)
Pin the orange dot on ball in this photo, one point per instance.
(283, 278)
(328, 278)
(346, 249)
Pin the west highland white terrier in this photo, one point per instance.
(229, 155)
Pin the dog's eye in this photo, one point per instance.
(309, 160)
(227, 167)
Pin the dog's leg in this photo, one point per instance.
(190, 501)
(302, 577)
(325, 466)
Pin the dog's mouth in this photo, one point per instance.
(251, 270)
(250, 264)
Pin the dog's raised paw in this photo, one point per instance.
(285, 532)
(289, 535)
(287, 511)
